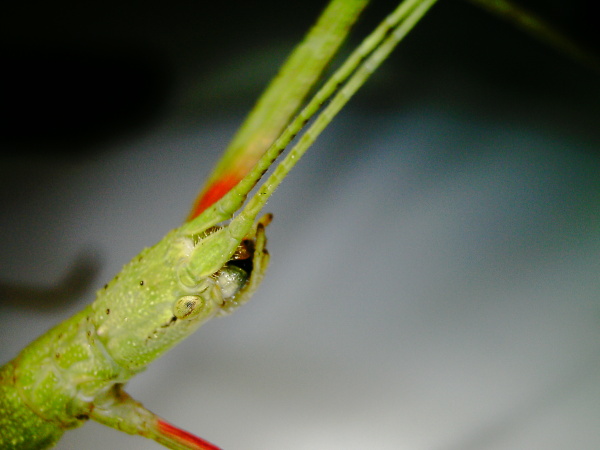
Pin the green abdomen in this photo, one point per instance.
(50, 387)
(20, 427)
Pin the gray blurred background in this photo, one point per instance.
(435, 257)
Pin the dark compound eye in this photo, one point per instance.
(188, 307)
(231, 279)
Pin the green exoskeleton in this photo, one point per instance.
(76, 370)
(208, 267)
(205, 268)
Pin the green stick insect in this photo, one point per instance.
(206, 268)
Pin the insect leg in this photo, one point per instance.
(260, 262)
(118, 410)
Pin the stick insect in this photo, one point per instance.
(207, 267)
(211, 284)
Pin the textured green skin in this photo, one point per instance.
(55, 383)
(20, 427)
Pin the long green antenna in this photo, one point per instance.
(342, 85)
(338, 89)
(281, 100)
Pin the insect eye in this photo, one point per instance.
(188, 307)
(231, 279)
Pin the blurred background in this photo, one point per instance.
(435, 257)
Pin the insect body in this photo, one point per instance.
(75, 371)
(205, 268)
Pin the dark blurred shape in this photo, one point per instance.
(76, 281)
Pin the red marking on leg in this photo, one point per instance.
(214, 193)
(183, 437)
